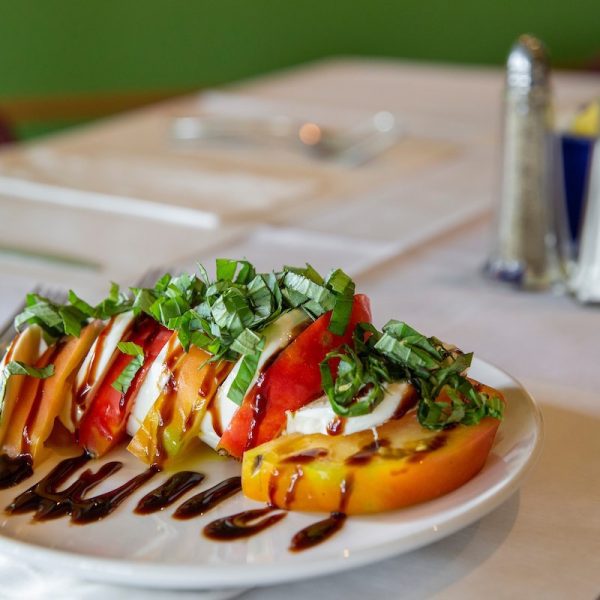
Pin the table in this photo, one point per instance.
(422, 211)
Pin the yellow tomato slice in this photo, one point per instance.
(398, 464)
(41, 400)
(24, 348)
(175, 417)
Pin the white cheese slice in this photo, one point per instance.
(154, 382)
(120, 324)
(277, 336)
(118, 328)
(316, 416)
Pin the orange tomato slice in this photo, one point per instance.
(174, 419)
(41, 400)
(25, 348)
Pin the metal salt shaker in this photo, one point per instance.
(528, 244)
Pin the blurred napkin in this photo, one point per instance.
(269, 248)
(21, 582)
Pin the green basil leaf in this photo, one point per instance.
(232, 313)
(73, 320)
(340, 283)
(248, 342)
(162, 283)
(357, 389)
(43, 312)
(114, 304)
(130, 348)
(340, 317)
(127, 375)
(245, 374)
(17, 367)
(226, 268)
(308, 272)
(143, 300)
(305, 287)
(81, 305)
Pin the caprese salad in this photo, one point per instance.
(283, 371)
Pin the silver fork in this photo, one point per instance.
(8, 331)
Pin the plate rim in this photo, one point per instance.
(201, 577)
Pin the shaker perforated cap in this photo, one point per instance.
(528, 64)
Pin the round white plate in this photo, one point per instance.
(159, 551)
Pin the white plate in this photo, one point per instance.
(158, 551)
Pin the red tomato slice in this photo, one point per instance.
(105, 422)
(290, 382)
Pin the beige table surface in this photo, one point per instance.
(421, 209)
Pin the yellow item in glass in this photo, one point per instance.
(587, 122)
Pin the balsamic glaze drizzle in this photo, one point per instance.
(306, 456)
(14, 470)
(243, 524)
(46, 501)
(29, 500)
(317, 532)
(170, 491)
(200, 503)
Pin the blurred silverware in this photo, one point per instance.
(353, 146)
(33, 254)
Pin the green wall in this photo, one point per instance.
(85, 46)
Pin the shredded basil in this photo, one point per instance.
(224, 316)
(250, 346)
(125, 378)
(115, 303)
(57, 320)
(43, 312)
(399, 353)
(358, 387)
(305, 288)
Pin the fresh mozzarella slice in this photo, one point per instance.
(95, 366)
(207, 431)
(318, 415)
(277, 336)
(154, 382)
